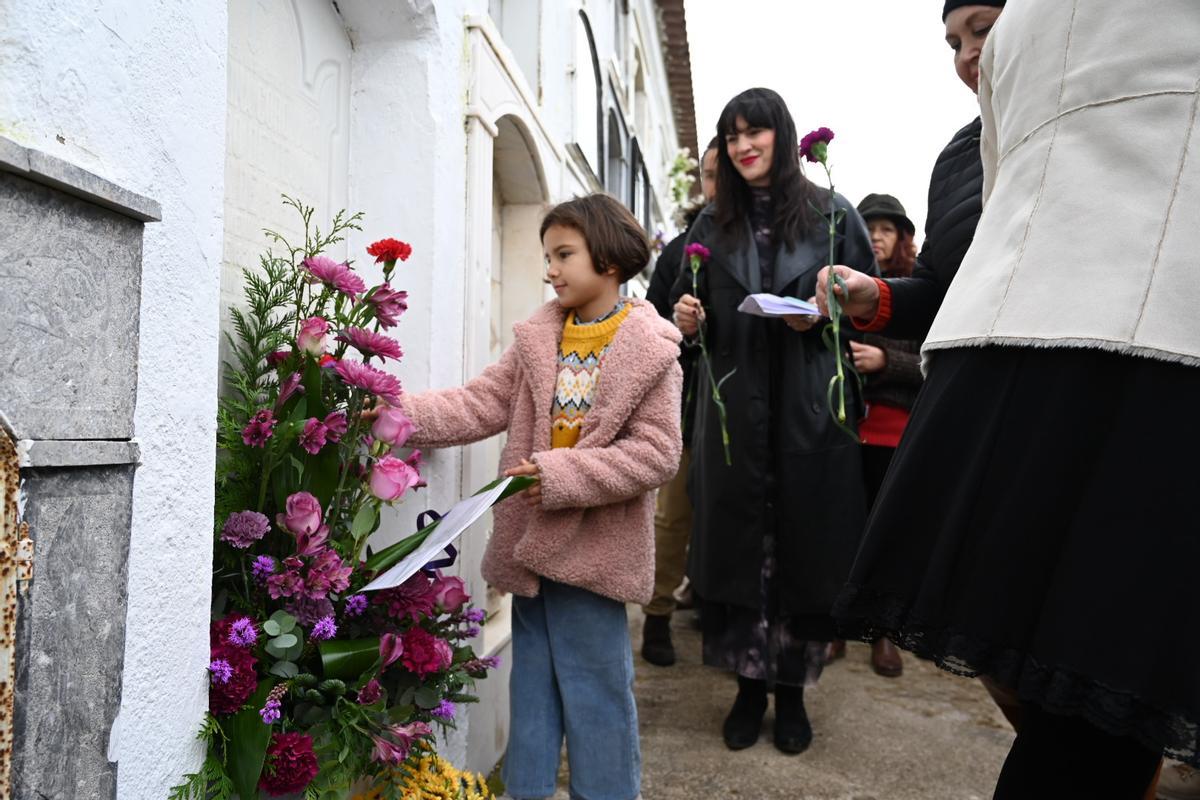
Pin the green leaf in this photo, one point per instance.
(248, 740)
(293, 653)
(285, 669)
(348, 658)
(393, 554)
(284, 641)
(427, 697)
(286, 621)
(364, 520)
(271, 628)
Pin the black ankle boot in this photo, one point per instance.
(656, 641)
(793, 732)
(745, 719)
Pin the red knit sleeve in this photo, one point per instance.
(882, 316)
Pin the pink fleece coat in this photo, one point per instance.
(595, 525)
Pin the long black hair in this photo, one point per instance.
(791, 192)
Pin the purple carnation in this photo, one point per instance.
(325, 628)
(262, 567)
(221, 670)
(356, 605)
(444, 711)
(243, 633)
(270, 712)
(244, 528)
(815, 145)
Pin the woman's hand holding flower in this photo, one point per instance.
(863, 299)
(533, 495)
(689, 313)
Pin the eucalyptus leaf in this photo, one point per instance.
(427, 697)
(284, 641)
(285, 669)
(271, 628)
(293, 652)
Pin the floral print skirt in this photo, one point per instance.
(762, 643)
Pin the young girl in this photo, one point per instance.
(589, 395)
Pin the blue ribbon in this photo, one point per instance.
(451, 552)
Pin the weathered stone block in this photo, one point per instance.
(71, 632)
(70, 290)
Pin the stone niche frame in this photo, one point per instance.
(70, 295)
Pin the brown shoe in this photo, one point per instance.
(835, 650)
(885, 659)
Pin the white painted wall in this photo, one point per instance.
(135, 92)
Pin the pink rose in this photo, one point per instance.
(450, 592)
(390, 478)
(311, 338)
(393, 426)
(303, 514)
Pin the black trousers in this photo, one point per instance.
(1058, 757)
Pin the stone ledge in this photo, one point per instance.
(75, 453)
(66, 177)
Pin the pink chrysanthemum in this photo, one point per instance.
(337, 276)
(370, 343)
(372, 380)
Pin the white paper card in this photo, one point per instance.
(772, 305)
(460, 517)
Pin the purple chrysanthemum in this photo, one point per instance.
(270, 712)
(243, 633)
(244, 528)
(325, 628)
(263, 567)
(355, 605)
(444, 711)
(221, 670)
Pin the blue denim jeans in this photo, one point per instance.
(572, 675)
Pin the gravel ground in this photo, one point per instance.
(926, 735)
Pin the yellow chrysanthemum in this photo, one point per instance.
(434, 778)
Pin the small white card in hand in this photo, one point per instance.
(772, 305)
(460, 517)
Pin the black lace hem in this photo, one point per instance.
(866, 615)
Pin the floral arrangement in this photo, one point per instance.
(316, 687)
(697, 254)
(814, 147)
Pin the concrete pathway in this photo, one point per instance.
(926, 735)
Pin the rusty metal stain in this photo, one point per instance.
(16, 567)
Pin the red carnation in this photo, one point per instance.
(386, 250)
(424, 654)
(291, 764)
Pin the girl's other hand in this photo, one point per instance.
(868, 358)
(802, 322)
(863, 301)
(533, 495)
(688, 315)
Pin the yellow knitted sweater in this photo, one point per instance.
(579, 359)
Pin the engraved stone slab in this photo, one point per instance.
(71, 632)
(70, 291)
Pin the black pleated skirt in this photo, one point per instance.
(1038, 525)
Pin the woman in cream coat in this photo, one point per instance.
(1037, 525)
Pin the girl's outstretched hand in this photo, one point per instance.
(863, 299)
(533, 495)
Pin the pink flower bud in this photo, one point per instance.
(390, 478)
(311, 338)
(393, 426)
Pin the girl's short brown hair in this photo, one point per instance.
(614, 237)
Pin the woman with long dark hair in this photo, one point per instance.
(775, 530)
